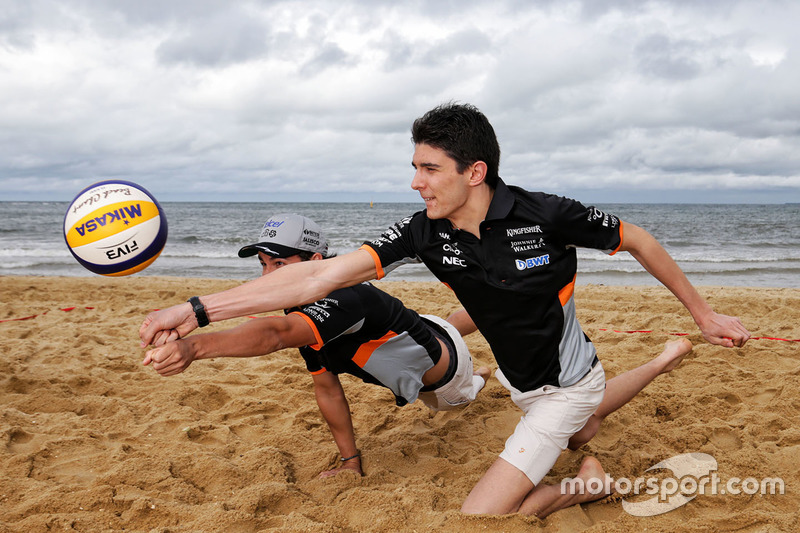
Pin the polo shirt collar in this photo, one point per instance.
(502, 202)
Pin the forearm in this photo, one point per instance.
(250, 339)
(336, 412)
(655, 259)
(290, 286)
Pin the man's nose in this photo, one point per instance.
(417, 183)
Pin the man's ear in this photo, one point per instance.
(316, 257)
(478, 175)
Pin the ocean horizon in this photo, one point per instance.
(715, 244)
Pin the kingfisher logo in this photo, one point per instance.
(124, 213)
(533, 262)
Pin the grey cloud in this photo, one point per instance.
(19, 22)
(470, 41)
(328, 56)
(594, 9)
(657, 55)
(156, 13)
(399, 51)
(216, 43)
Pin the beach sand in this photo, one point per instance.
(90, 440)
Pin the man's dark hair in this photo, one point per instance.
(465, 135)
(306, 256)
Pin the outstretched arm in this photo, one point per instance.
(716, 328)
(257, 337)
(336, 411)
(289, 286)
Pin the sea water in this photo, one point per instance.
(714, 244)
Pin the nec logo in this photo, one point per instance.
(446, 260)
(533, 262)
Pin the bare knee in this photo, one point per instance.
(470, 508)
(501, 490)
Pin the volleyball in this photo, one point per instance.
(115, 228)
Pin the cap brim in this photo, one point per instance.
(248, 251)
(269, 248)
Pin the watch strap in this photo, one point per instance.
(199, 311)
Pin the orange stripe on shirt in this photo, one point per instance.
(620, 239)
(366, 350)
(567, 291)
(317, 336)
(378, 268)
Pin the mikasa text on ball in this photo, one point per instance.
(115, 228)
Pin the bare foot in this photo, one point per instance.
(596, 483)
(591, 483)
(673, 354)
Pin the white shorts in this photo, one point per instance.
(463, 388)
(552, 415)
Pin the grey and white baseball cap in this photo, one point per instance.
(286, 235)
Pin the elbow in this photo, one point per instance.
(318, 287)
(339, 272)
(635, 239)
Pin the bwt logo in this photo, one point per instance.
(533, 262)
(273, 224)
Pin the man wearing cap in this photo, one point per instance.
(358, 330)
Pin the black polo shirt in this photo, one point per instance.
(515, 281)
(365, 332)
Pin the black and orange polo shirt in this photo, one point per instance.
(516, 280)
(365, 332)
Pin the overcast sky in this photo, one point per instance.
(601, 100)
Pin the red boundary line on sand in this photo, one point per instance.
(685, 334)
(67, 309)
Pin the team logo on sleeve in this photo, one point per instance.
(608, 220)
(393, 233)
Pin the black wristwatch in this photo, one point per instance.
(199, 311)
